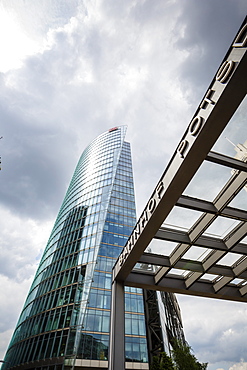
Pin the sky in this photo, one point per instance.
(69, 70)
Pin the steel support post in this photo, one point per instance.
(117, 328)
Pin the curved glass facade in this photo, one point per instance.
(67, 312)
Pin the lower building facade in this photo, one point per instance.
(66, 317)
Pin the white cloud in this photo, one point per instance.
(239, 366)
(15, 44)
(213, 324)
(23, 28)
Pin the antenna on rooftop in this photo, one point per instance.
(236, 147)
(230, 142)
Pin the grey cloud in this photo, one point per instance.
(17, 268)
(32, 168)
(11, 304)
(205, 32)
(215, 329)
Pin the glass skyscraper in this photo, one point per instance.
(65, 319)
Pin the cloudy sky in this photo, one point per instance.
(70, 70)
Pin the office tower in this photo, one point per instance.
(65, 319)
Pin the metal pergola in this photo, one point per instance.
(175, 272)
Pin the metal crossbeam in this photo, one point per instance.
(176, 284)
(224, 160)
(152, 259)
(231, 189)
(231, 239)
(202, 205)
(205, 241)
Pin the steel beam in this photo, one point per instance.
(224, 160)
(230, 240)
(222, 282)
(117, 328)
(238, 270)
(237, 214)
(243, 290)
(196, 266)
(202, 205)
(176, 284)
(207, 242)
(232, 187)
(240, 267)
(179, 236)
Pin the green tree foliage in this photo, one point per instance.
(155, 364)
(184, 359)
(163, 362)
(166, 362)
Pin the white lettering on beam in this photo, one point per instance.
(241, 39)
(151, 206)
(225, 71)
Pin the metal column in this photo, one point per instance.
(117, 330)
